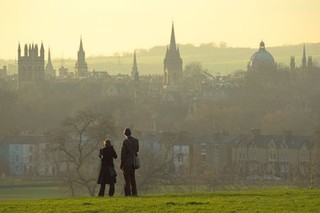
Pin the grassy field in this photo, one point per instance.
(232, 201)
(28, 193)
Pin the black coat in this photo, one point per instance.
(106, 155)
(130, 147)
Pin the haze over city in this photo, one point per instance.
(108, 27)
(219, 101)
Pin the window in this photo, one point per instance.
(203, 157)
(203, 147)
(180, 157)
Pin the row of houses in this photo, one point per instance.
(254, 154)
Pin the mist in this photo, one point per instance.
(201, 128)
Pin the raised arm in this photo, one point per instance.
(100, 154)
(114, 154)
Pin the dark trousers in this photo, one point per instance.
(130, 187)
(103, 187)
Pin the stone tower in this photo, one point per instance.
(172, 78)
(31, 65)
(81, 67)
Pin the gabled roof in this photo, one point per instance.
(182, 138)
(219, 139)
(293, 142)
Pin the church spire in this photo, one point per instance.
(135, 67)
(172, 64)
(49, 57)
(173, 39)
(81, 47)
(81, 64)
(304, 57)
(134, 72)
(49, 71)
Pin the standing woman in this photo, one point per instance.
(107, 172)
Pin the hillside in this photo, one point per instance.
(232, 201)
(215, 59)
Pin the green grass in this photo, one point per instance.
(232, 201)
(27, 193)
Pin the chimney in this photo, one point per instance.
(217, 135)
(256, 132)
(287, 134)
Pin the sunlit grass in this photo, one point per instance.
(232, 201)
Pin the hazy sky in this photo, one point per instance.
(109, 26)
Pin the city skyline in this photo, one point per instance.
(108, 27)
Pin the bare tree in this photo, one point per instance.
(156, 168)
(76, 144)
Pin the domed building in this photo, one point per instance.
(261, 60)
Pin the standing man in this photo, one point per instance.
(130, 147)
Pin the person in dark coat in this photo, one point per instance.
(107, 172)
(129, 148)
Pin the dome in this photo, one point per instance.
(261, 60)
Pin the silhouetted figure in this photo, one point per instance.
(130, 147)
(107, 172)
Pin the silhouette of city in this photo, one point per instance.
(255, 124)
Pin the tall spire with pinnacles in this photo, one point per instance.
(172, 65)
(81, 67)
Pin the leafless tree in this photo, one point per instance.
(156, 168)
(75, 146)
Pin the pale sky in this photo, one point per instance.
(110, 26)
